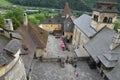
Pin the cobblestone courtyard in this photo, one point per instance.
(53, 71)
(54, 49)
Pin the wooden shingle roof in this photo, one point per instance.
(38, 35)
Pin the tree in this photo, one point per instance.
(117, 25)
(40, 17)
(16, 13)
(1, 21)
(16, 23)
(36, 18)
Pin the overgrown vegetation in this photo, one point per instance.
(15, 22)
(117, 24)
(16, 14)
(36, 18)
(1, 21)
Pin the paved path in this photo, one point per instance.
(53, 71)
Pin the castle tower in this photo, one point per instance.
(66, 12)
(104, 14)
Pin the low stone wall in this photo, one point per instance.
(74, 59)
(51, 59)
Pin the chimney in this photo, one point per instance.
(8, 24)
(116, 40)
(25, 20)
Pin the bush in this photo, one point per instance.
(117, 24)
(36, 18)
(16, 23)
(1, 21)
(16, 13)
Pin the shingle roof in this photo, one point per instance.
(68, 25)
(107, 63)
(5, 58)
(110, 3)
(13, 46)
(16, 35)
(115, 73)
(38, 35)
(3, 41)
(55, 20)
(112, 56)
(83, 23)
(66, 10)
(100, 43)
(98, 48)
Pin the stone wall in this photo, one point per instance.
(79, 40)
(51, 27)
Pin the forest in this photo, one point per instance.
(83, 5)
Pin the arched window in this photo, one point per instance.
(96, 18)
(110, 20)
(105, 20)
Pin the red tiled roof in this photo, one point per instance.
(66, 10)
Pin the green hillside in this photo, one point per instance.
(81, 5)
(4, 2)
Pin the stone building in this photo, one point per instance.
(96, 37)
(105, 54)
(63, 24)
(53, 24)
(11, 64)
(82, 34)
(86, 27)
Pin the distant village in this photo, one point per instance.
(65, 40)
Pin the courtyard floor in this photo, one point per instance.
(53, 71)
(54, 49)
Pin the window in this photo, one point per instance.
(58, 20)
(96, 17)
(105, 20)
(75, 34)
(49, 20)
(6, 21)
(99, 6)
(110, 20)
(68, 24)
(109, 7)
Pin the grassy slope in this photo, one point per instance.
(5, 2)
(89, 3)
